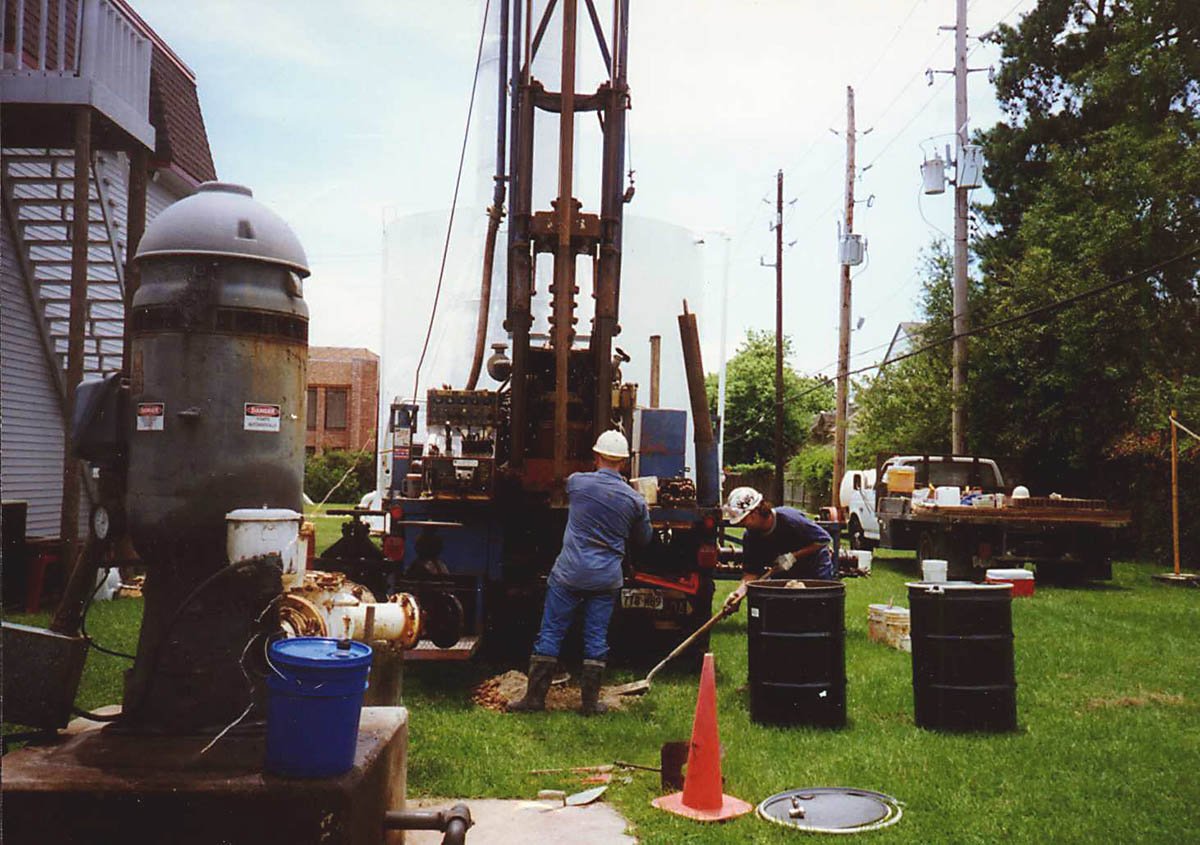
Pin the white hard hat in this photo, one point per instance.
(739, 504)
(1020, 492)
(612, 444)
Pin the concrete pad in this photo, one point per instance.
(500, 822)
(93, 785)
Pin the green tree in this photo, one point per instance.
(750, 401)
(322, 472)
(1096, 174)
(905, 407)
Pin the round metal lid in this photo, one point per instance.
(319, 651)
(223, 219)
(944, 586)
(263, 515)
(831, 809)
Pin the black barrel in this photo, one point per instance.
(797, 641)
(962, 656)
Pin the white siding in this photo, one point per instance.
(31, 430)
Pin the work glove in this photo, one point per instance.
(785, 562)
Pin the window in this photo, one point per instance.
(311, 402)
(335, 407)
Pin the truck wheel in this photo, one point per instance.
(931, 544)
(858, 536)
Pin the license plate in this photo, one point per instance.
(641, 599)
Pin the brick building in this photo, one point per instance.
(343, 398)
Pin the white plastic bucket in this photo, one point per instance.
(877, 622)
(862, 559)
(934, 570)
(896, 622)
(948, 496)
(252, 532)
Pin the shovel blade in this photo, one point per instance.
(632, 688)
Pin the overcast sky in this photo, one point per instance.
(338, 114)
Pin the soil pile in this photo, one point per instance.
(496, 691)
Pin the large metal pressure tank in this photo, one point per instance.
(219, 346)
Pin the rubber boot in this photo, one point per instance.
(541, 670)
(589, 685)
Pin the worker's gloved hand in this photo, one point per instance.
(734, 599)
(785, 561)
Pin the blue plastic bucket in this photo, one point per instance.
(315, 693)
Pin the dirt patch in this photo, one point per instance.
(1141, 700)
(497, 691)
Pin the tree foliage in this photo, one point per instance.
(906, 406)
(323, 471)
(1095, 172)
(750, 401)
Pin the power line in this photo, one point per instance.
(1038, 311)
(437, 293)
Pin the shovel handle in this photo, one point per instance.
(695, 635)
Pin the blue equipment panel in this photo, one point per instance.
(660, 441)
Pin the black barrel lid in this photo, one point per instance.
(831, 809)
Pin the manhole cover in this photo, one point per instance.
(831, 809)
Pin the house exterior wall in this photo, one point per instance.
(355, 371)
(31, 423)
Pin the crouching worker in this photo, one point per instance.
(604, 514)
(781, 537)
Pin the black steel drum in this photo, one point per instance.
(962, 656)
(797, 653)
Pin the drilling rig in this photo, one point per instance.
(477, 511)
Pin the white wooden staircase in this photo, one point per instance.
(38, 187)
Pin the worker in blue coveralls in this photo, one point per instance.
(604, 514)
(781, 537)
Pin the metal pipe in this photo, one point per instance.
(454, 822)
(496, 210)
(563, 295)
(79, 584)
(655, 367)
(707, 474)
(521, 267)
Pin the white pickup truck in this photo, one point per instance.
(1065, 538)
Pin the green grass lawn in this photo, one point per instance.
(1108, 748)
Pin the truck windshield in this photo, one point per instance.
(960, 474)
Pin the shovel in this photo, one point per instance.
(643, 686)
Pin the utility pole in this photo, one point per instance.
(843, 365)
(958, 418)
(778, 492)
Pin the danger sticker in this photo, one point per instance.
(150, 416)
(401, 453)
(261, 417)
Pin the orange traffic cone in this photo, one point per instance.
(702, 798)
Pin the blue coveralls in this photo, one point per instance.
(604, 513)
(792, 531)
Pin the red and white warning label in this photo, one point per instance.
(150, 416)
(261, 417)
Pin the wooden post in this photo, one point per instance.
(1175, 489)
(777, 494)
(66, 618)
(958, 419)
(655, 367)
(841, 412)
